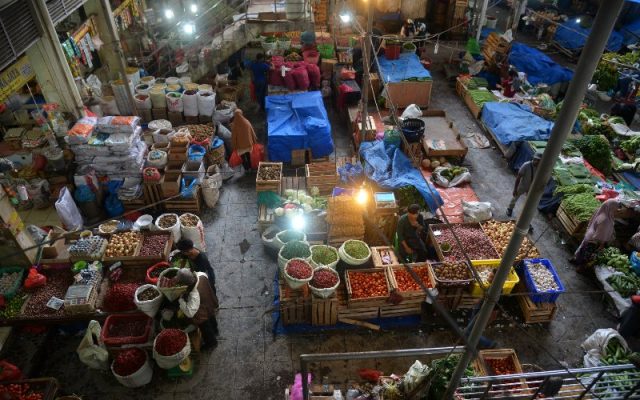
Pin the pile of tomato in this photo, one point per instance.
(501, 366)
(368, 284)
(405, 280)
(19, 392)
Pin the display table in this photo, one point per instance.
(406, 80)
(441, 138)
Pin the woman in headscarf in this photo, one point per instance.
(200, 304)
(600, 232)
(243, 137)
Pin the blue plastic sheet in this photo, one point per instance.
(391, 169)
(537, 65)
(511, 122)
(572, 36)
(295, 122)
(633, 178)
(631, 32)
(406, 67)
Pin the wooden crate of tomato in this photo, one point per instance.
(367, 287)
(404, 282)
(500, 362)
(33, 389)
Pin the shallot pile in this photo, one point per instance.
(473, 239)
(120, 296)
(153, 245)
(324, 279)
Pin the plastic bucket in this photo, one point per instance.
(490, 22)
(148, 80)
(392, 52)
(413, 129)
(205, 88)
(172, 80)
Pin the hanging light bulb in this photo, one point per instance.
(345, 17)
(168, 13)
(578, 20)
(362, 196)
(298, 222)
(189, 28)
(194, 8)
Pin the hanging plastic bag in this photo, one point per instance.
(188, 187)
(235, 160)
(34, 280)
(413, 111)
(91, 351)
(9, 372)
(113, 206)
(68, 211)
(257, 155)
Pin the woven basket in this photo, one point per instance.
(228, 93)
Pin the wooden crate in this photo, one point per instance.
(265, 218)
(475, 109)
(414, 150)
(274, 185)
(322, 175)
(412, 296)
(480, 369)
(368, 301)
(359, 313)
(175, 118)
(574, 228)
(377, 259)
(192, 120)
(132, 205)
(324, 311)
(451, 298)
(403, 94)
(298, 157)
(170, 185)
(436, 227)
(152, 192)
(178, 154)
(461, 89)
(535, 313)
(125, 260)
(164, 256)
(192, 205)
(295, 305)
(468, 301)
(443, 139)
(159, 113)
(400, 310)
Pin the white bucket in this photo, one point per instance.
(174, 101)
(190, 102)
(143, 101)
(172, 80)
(205, 88)
(142, 88)
(109, 106)
(148, 80)
(490, 22)
(133, 74)
(157, 97)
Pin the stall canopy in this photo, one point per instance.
(406, 68)
(297, 121)
(390, 168)
(537, 65)
(510, 122)
(572, 36)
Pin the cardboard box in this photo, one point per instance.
(177, 154)
(159, 113)
(171, 184)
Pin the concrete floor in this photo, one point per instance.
(251, 363)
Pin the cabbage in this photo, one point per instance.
(279, 211)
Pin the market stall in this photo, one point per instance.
(297, 122)
(406, 80)
(539, 67)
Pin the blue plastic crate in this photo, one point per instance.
(541, 297)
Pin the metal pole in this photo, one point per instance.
(117, 48)
(601, 29)
(366, 79)
(483, 12)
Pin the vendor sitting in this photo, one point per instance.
(200, 304)
(411, 229)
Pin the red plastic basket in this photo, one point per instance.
(161, 265)
(141, 338)
(392, 52)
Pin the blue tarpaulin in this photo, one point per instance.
(295, 122)
(631, 32)
(511, 122)
(406, 67)
(391, 169)
(537, 65)
(572, 36)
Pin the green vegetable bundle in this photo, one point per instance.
(356, 249)
(295, 249)
(631, 145)
(574, 189)
(606, 76)
(595, 149)
(442, 370)
(476, 83)
(625, 284)
(615, 353)
(407, 195)
(480, 97)
(581, 206)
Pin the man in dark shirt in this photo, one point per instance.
(259, 69)
(198, 260)
(410, 227)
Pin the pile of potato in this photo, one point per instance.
(123, 244)
(500, 233)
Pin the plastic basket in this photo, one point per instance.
(541, 297)
(509, 284)
(15, 285)
(413, 129)
(441, 282)
(125, 340)
(392, 51)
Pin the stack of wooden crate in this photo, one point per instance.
(495, 50)
(320, 12)
(322, 175)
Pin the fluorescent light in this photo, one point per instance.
(189, 28)
(298, 222)
(168, 13)
(345, 18)
(194, 8)
(578, 20)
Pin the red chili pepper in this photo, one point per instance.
(299, 269)
(129, 361)
(120, 297)
(324, 279)
(170, 342)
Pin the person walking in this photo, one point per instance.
(243, 137)
(200, 304)
(524, 181)
(259, 69)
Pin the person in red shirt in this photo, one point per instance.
(507, 84)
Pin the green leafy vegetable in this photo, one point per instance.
(595, 149)
(581, 206)
(295, 249)
(574, 189)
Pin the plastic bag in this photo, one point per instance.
(235, 160)
(188, 186)
(149, 307)
(9, 372)
(413, 111)
(224, 112)
(416, 374)
(440, 180)
(196, 152)
(91, 351)
(113, 205)
(595, 345)
(194, 233)
(296, 389)
(34, 280)
(257, 155)
(476, 211)
(68, 211)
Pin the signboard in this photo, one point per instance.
(15, 77)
